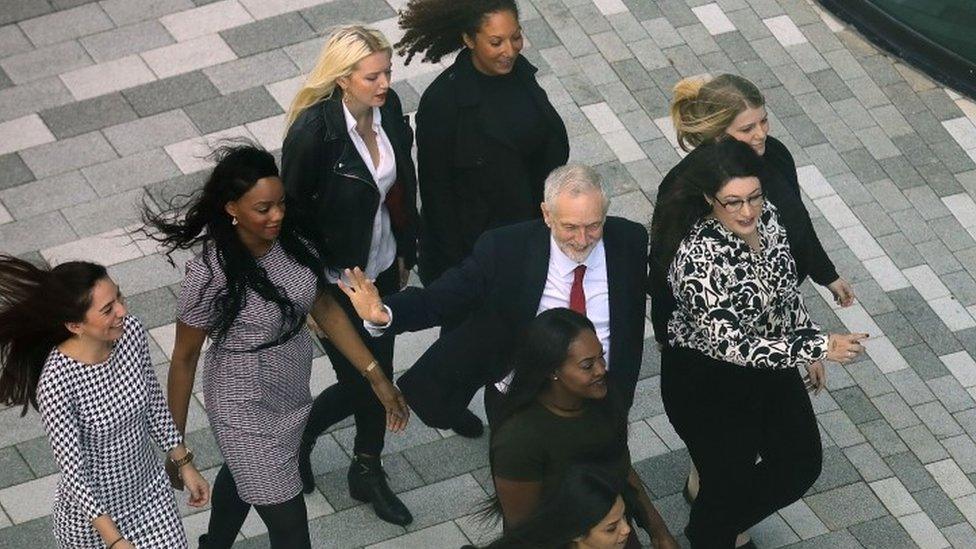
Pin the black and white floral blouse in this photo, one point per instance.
(739, 305)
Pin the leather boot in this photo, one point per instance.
(305, 466)
(367, 483)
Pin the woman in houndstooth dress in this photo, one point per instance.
(100, 402)
(249, 291)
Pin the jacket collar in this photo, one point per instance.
(466, 76)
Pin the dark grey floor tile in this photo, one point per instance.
(233, 109)
(938, 507)
(837, 470)
(18, 10)
(37, 533)
(325, 16)
(910, 471)
(664, 474)
(448, 457)
(37, 453)
(925, 363)
(91, 114)
(267, 34)
(856, 404)
(154, 308)
(13, 468)
(170, 93)
(884, 532)
(846, 506)
(13, 171)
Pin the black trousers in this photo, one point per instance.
(352, 395)
(287, 522)
(727, 415)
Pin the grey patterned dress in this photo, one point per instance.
(102, 420)
(255, 381)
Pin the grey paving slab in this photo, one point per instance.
(138, 170)
(66, 25)
(68, 154)
(45, 195)
(34, 533)
(35, 233)
(12, 41)
(882, 532)
(151, 132)
(13, 468)
(13, 171)
(882, 438)
(846, 506)
(88, 115)
(17, 101)
(367, 11)
(47, 61)
(268, 34)
(937, 505)
(122, 41)
(910, 471)
(837, 471)
(123, 12)
(37, 453)
(868, 463)
(448, 457)
(170, 93)
(20, 10)
(232, 110)
(103, 214)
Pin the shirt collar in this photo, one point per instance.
(351, 122)
(564, 266)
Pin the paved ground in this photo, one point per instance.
(104, 103)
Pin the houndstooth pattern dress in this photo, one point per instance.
(257, 399)
(101, 420)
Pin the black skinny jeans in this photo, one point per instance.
(287, 522)
(727, 415)
(352, 395)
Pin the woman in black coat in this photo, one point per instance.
(487, 135)
(350, 181)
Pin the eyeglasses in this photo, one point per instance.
(735, 205)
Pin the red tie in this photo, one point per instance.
(577, 299)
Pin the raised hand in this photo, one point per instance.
(364, 296)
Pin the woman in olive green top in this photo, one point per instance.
(559, 411)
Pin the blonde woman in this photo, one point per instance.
(350, 182)
(728, 106)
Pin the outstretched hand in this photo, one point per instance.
(397, 411)
(364, 296)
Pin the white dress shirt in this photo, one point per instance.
(559, 283)
(382, 248)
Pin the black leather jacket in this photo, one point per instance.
(331, 191)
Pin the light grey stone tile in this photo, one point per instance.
(188, 56)
(448, 457)
(895, 411)
(145, 273)
(846, 506)
(45, 195)
(66, 25)
(131, 172)
(881, 436)
(13, 41)
(923, 444)
(107, 213)
(350, 528)
(35, 233)
(963, 452)
(445, 534)
(151, 132)
(938, 420)
(34, 96)
(13, 468)
(959, 535)
(46, 61)
(124, 12)
(68, 154)
(123, 41)
(867, 462)
(840, 428)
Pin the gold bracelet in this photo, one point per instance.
(369, 368)
(187, 458)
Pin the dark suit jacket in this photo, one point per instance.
(472, 176)
(500, 286)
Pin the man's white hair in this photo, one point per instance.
(574, 179)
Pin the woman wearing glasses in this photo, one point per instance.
(729, 106)
(738, 332)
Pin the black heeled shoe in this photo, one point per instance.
(305, 466)
(367, 483)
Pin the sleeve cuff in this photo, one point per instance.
(377, 330)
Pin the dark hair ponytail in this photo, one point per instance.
(709, 167)
(435, 27)
(205, 222)
(35, 304)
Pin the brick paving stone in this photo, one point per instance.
(837, 471)
(913, 475)
(923, 443)
(882, 532)
(846, 506)
(45, 195)
(951, 394)
(88, 115)
(123, 12)
(232, 110)
(127, 40)
(938, 507)
(13, 171)
(66, 25)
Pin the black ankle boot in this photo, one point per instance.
(305, 466)
(367, 483)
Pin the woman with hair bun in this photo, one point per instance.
(487, 135)
(705, 111)
(69, 348)
(350, 179)
(249, 290)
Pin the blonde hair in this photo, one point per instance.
(345, 47)
(703, 109)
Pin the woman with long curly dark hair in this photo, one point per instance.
(487, 135)
(249, 290)
(69, 348)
